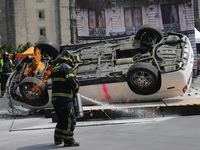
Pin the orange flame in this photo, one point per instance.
(47, 74)
(34, 68)
(38, 62)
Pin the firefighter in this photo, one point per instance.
(15, 59)
(6, 68)
(64, 85)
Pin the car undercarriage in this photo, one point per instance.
(139, 60)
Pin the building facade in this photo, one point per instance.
(101, 19)
(196, 8)
(25, 21)
(111, 18)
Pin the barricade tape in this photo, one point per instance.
(182, 105)
(107, 114)
(91, 113)
(153, 109)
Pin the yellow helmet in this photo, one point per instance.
(67, 56)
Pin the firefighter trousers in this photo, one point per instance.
(64, 129)
(4, 78)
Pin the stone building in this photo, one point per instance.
(196, 8)
(25, 21)
(102, 19)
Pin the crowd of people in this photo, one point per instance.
(6, 67)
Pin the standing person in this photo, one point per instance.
(15, 59)
(6, 68)
(64, 85)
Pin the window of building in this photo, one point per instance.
(43, 31)
(41, 14)
(132, 17)
(97, 19)
(40, 1)
(170, 13)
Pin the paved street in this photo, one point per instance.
(173, 132)
(35, 132)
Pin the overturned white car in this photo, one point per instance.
(141, 67)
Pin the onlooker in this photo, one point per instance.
(15, 59)
(6, 68)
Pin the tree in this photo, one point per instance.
(23, 47)
(10, 48)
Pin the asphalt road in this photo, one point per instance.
(36, 133)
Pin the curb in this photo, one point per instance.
(136, 113)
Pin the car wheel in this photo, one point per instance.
(143, 78)
(48, 47)
(149, 35)
(33, 91)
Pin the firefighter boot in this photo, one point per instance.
(58, 141)
(71, 143)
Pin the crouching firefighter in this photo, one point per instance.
(64, 85)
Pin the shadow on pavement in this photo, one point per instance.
(47, 146)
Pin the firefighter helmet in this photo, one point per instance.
(68, 57)
(14, 53)
(5, 54)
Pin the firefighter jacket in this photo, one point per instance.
(6, 66)
(15, 61)
(64, 83)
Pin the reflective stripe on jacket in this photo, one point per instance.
(63, 83)
(6, 68)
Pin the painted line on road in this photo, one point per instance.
(105, 123)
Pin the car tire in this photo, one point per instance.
(149, 35)
(48, 47)
(143, 78)
(34, 91)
